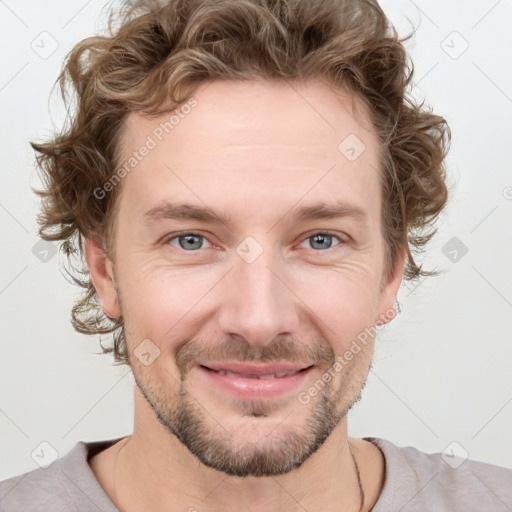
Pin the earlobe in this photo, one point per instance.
(102, 276)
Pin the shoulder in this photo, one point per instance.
(34, 490)
(66, 484)
(419, 481)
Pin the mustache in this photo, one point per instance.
(278, 350)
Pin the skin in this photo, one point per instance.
(253, 150)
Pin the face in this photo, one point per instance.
(229, 269)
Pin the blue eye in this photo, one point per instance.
(192, 242)
(188, 241)
(322, 240)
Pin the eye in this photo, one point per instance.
(187, 241)
(322, 241)
(191, 242)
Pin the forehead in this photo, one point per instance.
(248, 113)
(260, 140)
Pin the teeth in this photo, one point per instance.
(270, 376)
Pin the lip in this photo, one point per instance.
(255, 369)
(250, 387)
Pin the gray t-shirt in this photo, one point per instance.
(415, 481)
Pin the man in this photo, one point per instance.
(242, 179)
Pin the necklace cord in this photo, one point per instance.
(359, 482)
(115, 471)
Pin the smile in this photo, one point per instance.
(256, 376)
(253, 382)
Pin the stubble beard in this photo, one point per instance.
(278, 454)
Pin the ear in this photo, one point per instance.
(389, 290)
(102, 276)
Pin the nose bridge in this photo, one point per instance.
(256, 304)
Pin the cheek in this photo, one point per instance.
(159, 302)
(344, 302)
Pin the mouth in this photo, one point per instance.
(252, 371)
(256, 382)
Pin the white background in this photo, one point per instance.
(442, 368)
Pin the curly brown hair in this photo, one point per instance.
(155, 56)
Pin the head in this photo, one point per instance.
(243, 181)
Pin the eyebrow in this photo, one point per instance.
(186, 211)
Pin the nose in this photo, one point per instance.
(257, 303)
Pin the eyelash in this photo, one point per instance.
(168, 240)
